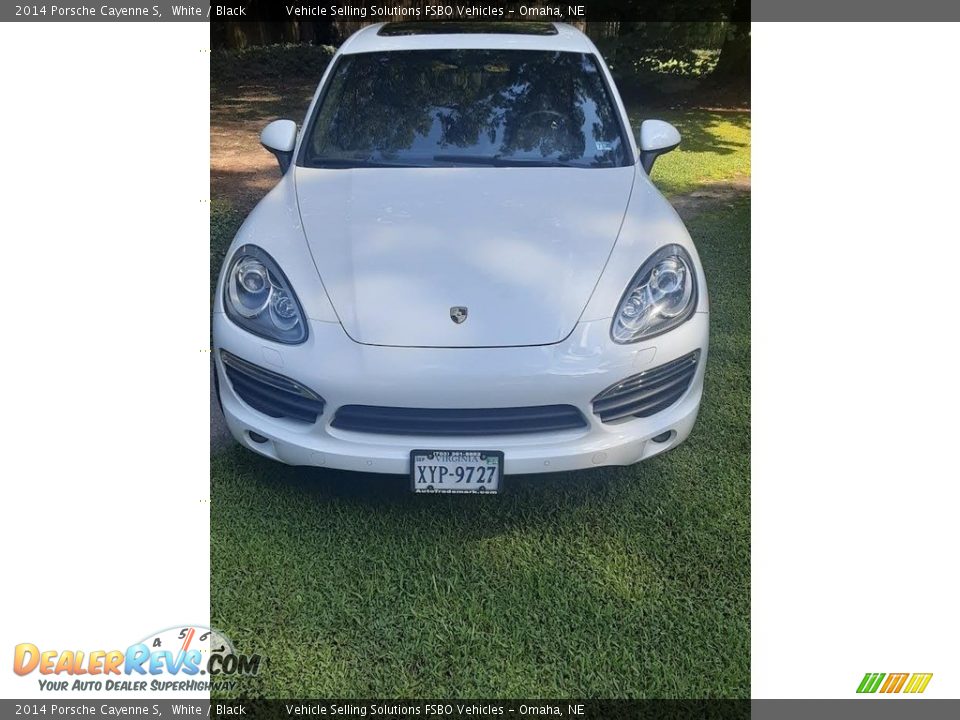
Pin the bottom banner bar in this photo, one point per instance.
(875, 709)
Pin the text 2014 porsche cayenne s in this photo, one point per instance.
(464, 271)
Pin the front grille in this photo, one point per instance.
(457, 422)
(649, 392)
(270, 393)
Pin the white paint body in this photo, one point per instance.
(541, 257)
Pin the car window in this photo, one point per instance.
(434, 108)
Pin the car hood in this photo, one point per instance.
(520, 249)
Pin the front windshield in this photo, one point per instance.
(438, 108)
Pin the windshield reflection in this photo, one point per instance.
(430, 108)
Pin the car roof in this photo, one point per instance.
(384, 37)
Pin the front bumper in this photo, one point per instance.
(571, 372)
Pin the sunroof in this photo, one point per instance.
(462, 28)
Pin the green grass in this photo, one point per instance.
(224, 223)
(715, 146)
(615, 582)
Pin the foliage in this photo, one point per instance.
(640, 54)
(266, 62)
(628, 64)
(661, 59)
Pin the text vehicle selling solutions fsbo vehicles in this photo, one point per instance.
(465, 269)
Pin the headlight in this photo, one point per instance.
(258, 297)
(662, 295)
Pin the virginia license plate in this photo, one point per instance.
(456, 471)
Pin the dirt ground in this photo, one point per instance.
(709, 196)
(241, 171)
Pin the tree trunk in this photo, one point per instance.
(734, 63)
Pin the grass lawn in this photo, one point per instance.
(715, 147)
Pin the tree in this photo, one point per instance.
(734, 62)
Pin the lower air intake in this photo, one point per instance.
(649, 392)
(270, 393)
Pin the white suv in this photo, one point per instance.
(465, 269)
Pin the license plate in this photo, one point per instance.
(456, 471)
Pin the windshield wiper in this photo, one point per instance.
(357, 163)
(501, 161)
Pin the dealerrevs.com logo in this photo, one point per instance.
(182, 658)
(910, 683)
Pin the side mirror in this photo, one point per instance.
(656, 138)
(280, 137)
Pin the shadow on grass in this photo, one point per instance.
(701, 131)
(715, 146)
(521, 500)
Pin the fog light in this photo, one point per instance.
(662, 437)
(257, 437)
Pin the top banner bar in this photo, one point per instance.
(466, 11)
